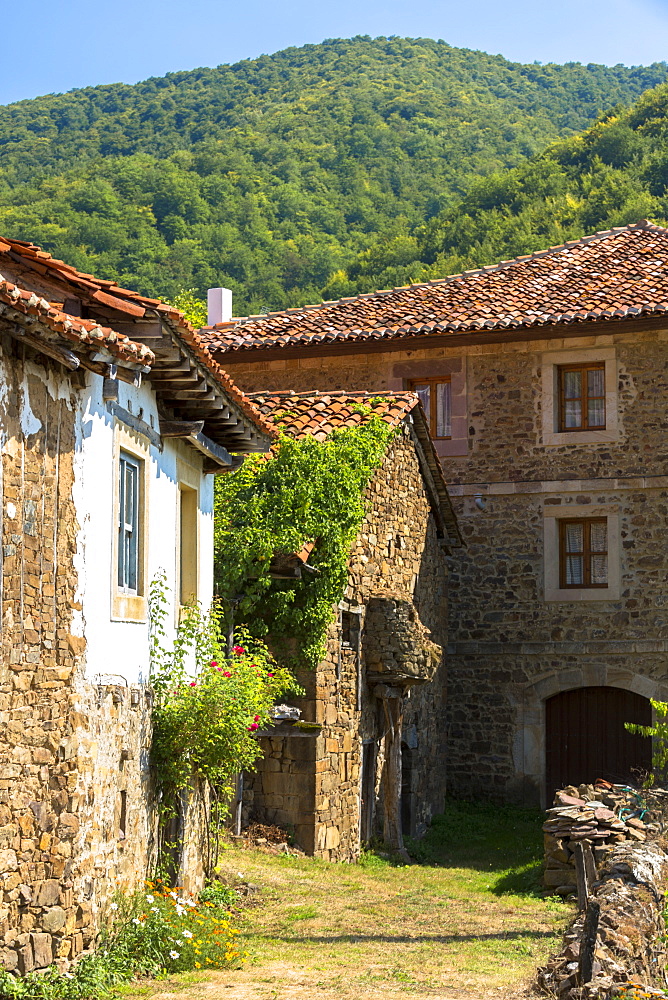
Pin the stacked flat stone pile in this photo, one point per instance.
(628, 943)
(601, 815)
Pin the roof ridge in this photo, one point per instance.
(643, 225)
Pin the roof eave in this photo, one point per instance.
(433, 474)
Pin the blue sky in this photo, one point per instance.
(55, 46)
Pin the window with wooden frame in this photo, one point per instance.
(129, 523)
(583, 553)
(188, 547)
(435, 395)
(582, 397)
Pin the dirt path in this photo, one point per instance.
(317, 931)
(282, 981)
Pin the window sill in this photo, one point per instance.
(553, 439)
(129, 608)
(572, 595)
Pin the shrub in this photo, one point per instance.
(150, 932)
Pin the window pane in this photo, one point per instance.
(443, 423)
(573, 413)
(596, 413)
(574, 538)
(598, 537)
(572, 385)
(596, 382)
(599, 569)
(121, 523)
(424, 394)
(128, 528)
(574, 571)
(130, 498)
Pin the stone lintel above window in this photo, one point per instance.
(406, 373)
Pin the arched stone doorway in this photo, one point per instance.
(586, 738)
(528, 748)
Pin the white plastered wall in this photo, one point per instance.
(113, 646)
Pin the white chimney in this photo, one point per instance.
(219, 305)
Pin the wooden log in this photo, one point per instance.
(180, 428)
(590, 864)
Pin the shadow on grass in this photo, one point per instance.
(504, 842)
(408, 938)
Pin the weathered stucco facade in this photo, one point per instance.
(517, 639)
(328, 784)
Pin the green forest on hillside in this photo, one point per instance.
(315, 171)
(612, 174)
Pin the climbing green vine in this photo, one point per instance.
(308, 491)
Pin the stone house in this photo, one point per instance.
(545, 379)
(368, 754)
(113, 420)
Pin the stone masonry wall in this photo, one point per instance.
(313, 784)
(510, 649)
(75, 813)
(38, 915)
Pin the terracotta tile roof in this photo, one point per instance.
(99, 289)
(73, 328)
(612, 275)
(124, 300)
(300, 414)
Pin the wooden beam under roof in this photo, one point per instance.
(180, 428)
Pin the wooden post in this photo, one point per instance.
(588, 943)
(582, 876)
(393, 705)
(590, 864)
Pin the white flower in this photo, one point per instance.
(113, 906)
(190, 902)
(136, 920)
(180, 910)
(173, 954)
(154, 909)
(173, 894)
(187, 934)
(150, 899)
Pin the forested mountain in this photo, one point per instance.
(611, 174)
(277, 175)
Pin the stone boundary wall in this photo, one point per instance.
(600, 815)
(628, 945)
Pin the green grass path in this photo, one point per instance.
(466, 921)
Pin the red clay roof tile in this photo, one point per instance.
(300, 414)
(317, 414)
(109, 293)
(73, 328)
(616, 274)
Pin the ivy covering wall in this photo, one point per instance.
(307, 491)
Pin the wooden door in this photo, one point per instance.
(585, 738)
